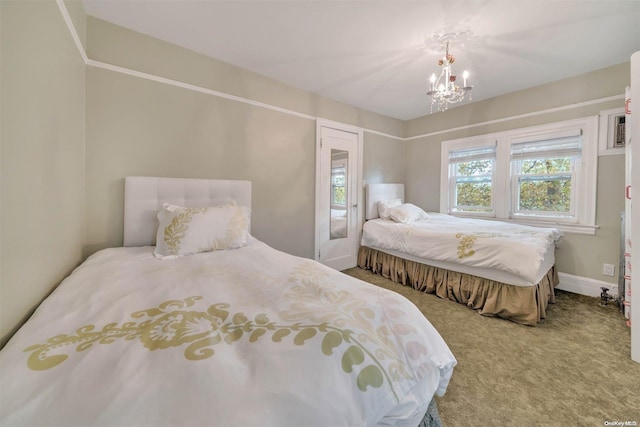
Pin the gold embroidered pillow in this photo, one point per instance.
(186, 231)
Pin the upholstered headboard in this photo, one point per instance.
(144, 197)
(378, 192)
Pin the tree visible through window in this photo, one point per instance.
(471, 174)
(536, 175)
(473, 186)
(545, 185)
(338, 180)
(543, 173)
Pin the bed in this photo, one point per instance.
(167, 332)
(498, 268)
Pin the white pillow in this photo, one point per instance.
(384, 206)
(407, 213)
(186, 231)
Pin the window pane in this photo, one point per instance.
(559, 164)
(545, 195)
(338, 195)
(473, 196)
(338, 181)
(474, 168)
(473, 181)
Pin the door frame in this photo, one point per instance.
(320, 123)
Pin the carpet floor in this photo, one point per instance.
(573, 369)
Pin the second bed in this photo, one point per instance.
(501, 269)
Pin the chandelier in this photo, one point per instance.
(443, 90)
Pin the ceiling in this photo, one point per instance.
(378, 55)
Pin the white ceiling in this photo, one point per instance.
(376, 54)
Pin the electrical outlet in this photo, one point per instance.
(608, 270)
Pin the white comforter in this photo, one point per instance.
(245, 337)
(513, 248)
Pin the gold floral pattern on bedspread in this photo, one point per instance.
(318, 309)
(465, 246)
(467, 240)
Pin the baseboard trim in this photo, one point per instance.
(585, 285)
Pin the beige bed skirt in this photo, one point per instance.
(522, 304)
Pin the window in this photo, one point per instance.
(543, 175)
(338, 179)
(471, 171)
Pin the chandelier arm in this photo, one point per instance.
(446, 92)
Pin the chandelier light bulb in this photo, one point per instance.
(432, 86)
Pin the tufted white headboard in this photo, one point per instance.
(144, 197)
(377, 192)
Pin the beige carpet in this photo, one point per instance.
(573, 369)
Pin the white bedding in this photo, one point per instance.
(338, 227)
(244, 337)
(515, 249)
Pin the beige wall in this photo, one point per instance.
(383, 159)
(42, 153)
(139, 127)
(580, 255)
(136, 126)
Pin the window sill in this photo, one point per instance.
(564, 227)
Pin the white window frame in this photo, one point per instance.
(340, 169)
(450, 182)
(503, 192)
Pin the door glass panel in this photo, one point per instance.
(339, 196)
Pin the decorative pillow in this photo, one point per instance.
(186, 231)
(407, 213)
(384, 206)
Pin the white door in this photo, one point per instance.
(337, 196)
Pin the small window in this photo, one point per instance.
(471, 175)
(338, 179)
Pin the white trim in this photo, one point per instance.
(72, 29)
(566, 227)
(448, 184)
(195, 88)
(118, 69)
(585, 285)
(398, 138)
(520, 116)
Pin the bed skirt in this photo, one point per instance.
(522, 304)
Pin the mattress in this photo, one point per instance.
(249, 336)
(495, 250)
